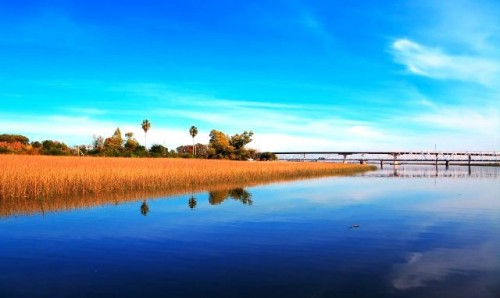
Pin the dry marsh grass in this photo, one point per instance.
(28, 179)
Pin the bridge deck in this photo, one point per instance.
(394, 156)
(465, 153)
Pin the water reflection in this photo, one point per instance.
(436, 265)
(239, 194)
(28, 206)
(408, 238)
(192, 202)
(418, 171)
(144, 208)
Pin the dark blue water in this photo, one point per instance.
(410, 233)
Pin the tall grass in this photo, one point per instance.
(32, 178)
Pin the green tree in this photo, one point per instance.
(146, 125)
(50, 147)
(266, 156)
(158, 151)
(193, 131)
(238, 142)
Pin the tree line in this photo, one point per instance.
(220, 146)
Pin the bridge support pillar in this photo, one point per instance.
(345, 157)
(470, 162)
(447, 164)
(381, 164)
(395, 155)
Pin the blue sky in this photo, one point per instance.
(303, 75)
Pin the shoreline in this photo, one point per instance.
(31, 180)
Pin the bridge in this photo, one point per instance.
(396, 157)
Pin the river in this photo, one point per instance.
(414, 231)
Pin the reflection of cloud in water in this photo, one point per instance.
(437, 265)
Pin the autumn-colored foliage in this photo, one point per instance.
(31, 178)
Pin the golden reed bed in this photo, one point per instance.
(72, 182)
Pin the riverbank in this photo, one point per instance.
(34, 177)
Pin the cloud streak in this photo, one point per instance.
(277, 126)
(435, 63)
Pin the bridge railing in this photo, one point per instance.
(400, 156)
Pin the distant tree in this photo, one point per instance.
(36, 148)
(201, 150)
(146, 125)
(14, 138)
(14, 147)
(193, 131)
(36, 144)
(265, 156)
(98, 144)
(114, 145)
(239, 141)
(50, 147)
(139, 151)
(172, 153)
(219, 146)
(185, 150)
(82, 149)
(131, 143)
(158, 151)
(223, 146)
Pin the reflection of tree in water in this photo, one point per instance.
(192, 202)
(239, 194)
(144, 208)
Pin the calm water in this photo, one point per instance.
(411, 233)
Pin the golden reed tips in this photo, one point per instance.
(31, 178)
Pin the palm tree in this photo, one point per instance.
(193, 131)
(146, 125)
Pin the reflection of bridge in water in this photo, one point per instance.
(417, 171)
(396, 157)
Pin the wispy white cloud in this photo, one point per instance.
(479, 121)
(86, 111)
(435, 63)
(277, 126)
